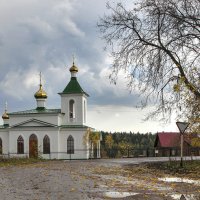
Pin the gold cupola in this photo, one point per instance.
(5, 117)
(40, 94)
(5, 114)
(73, 68)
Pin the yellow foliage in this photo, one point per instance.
(196, 142)
(176, 88)
(109, 141)
(91, 136)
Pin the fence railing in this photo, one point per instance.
(76, 154)
(147, 152)
(110, 153)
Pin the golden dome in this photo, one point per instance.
(73, 68)
(40, 94)
(5, 115)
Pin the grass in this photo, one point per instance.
(4, 162)
(190, 169)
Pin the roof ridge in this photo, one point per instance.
(35, 111)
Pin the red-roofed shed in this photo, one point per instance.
(168, 144)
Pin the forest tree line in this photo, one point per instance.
(122, 144)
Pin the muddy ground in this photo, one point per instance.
(93, 179)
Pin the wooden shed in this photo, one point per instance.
(168, 144)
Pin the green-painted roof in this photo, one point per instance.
(2, 126)
(37, 111)
(73, 87)
(74, 126)
(62, 126)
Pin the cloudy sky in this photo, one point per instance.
(42, 36)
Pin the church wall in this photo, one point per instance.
(64, 109)
(5, 141)
(84, 111)
(53, 119)
(79, 109)
(53, 135)
(60, 120)
(80, 150)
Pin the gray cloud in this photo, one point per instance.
(40, 36)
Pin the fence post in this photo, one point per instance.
(128, 152)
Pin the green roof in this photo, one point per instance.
(74, 126)
(2, 126)
(73, 87)
(37, 111)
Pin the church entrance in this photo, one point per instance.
(33, 146)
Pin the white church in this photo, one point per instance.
(50, 133)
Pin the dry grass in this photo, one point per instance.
(4, 162)
(190, 169)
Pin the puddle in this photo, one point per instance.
(136, 182)
(157, 186)
(103, 186)
(163, 188)
(178, 196)
(119, 194)
(179, 180)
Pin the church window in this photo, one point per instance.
(70, 145)
(20, 145)
(1, 151)
(46, 145)
(71, 109)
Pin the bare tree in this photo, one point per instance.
(157, 42)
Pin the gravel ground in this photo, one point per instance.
(49, 180)
(82, 180)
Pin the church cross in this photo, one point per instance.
(6, 106)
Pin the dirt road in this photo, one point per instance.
(94, 179)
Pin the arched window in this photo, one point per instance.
(70, 145)
(1, 149)
(71, 109)
(20, 145)
(46, 145)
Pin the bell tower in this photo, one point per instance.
(74, 101)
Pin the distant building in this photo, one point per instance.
(168, 144)
(51, 133)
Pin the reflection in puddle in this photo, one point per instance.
(103, 186)
(119, 194)
(178, 196)
(157, 186)
(179, 180)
